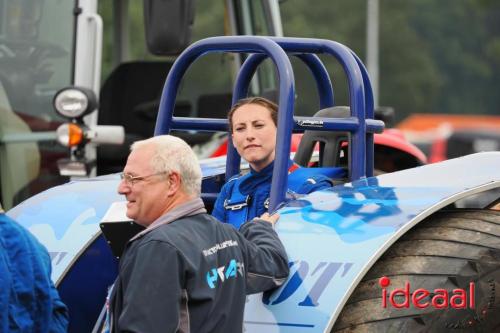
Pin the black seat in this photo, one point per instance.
(215, 105)
(130, 97)
(329, 142)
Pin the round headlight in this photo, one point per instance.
(74, 102)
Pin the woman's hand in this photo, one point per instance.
(270, 218)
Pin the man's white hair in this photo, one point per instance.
(174, 154)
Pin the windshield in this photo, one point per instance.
(36, 52)
(35, 55)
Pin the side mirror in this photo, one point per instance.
(168, 25)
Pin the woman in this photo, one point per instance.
(252, 123)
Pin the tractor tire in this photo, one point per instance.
(448, 250)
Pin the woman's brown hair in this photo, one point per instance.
(273, 109)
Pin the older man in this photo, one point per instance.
(186, 272)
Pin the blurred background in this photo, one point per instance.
(435, 63)
(434, 66)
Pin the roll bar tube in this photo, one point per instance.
(357, 150)
(242, 84)
(296, 46)
(273, 47)
(247, 44)
(315, 65)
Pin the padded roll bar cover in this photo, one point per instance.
(329, 141)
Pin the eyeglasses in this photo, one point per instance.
(131, 180)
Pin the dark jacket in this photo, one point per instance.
(192, 275)
(29, 302)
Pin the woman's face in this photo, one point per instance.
(254, 135)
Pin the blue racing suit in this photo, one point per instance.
(244, 197)
(29, 302)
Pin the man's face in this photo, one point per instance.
(146, 195)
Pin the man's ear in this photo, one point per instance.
(175, 183)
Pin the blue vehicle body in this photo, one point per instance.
(332, 236)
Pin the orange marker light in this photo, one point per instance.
(69, 135)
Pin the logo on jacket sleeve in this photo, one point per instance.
(214, 249)
(223, 273)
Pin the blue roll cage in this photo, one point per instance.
(360, 124)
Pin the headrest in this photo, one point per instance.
(329, 142)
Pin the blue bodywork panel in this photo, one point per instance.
(332, 236)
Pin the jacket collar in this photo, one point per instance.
(189, 208)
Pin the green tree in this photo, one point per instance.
(439, 56)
